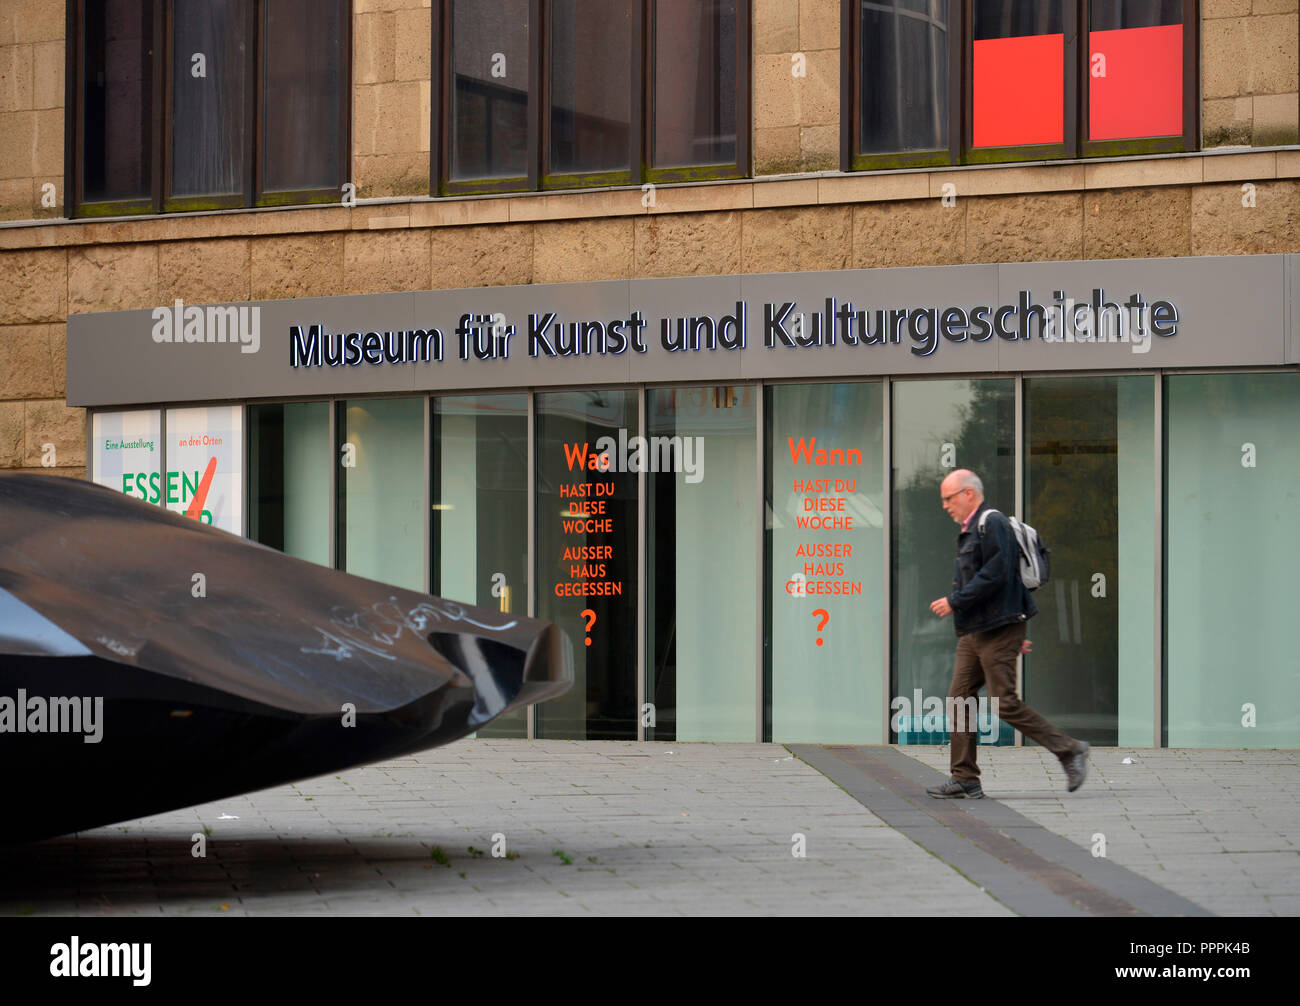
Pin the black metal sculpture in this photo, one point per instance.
(149, 662)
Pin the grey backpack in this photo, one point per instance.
(1034, 563)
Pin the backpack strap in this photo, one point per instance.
(985, 516)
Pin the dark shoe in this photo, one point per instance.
(1076, 767)
(954, 790)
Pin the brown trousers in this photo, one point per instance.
(989, 658)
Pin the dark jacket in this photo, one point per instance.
(987, 591)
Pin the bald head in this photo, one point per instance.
(961, 494)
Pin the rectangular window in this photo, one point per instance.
(1091, 441)
(209, 136)
(126, 453)
(1137, 84)
(1231, 552)
(903, 55)
(1018, 73)
(382, 490)
(693, 94)
(480, 511)
(534, 94)
(978, 81)
(939, 426)
(701, 562)
(305, 118)
(205, 465)
(208, 104)
(590, 71)
(586, 525)
(823, 648)
(289, 461)
(114, 113)
(488, 93)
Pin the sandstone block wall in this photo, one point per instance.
(1238, 204)
(1195, 205)
(391, 45)
(796, 116)
(1249, 73)
(32, 46)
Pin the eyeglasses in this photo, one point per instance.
(957, 493)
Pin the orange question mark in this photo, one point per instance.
(826, 617)
(589, 617)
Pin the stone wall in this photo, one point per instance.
(391, 46)
(1196, 205)
(796, 86)
(1249, 73)
(32, 46)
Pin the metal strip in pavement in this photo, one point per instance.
(1145, 895)
(999, 880)
(1030, 869)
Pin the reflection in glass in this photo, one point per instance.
(489, 103)
(289, 458)
(1232, 507)
(904, 74)
(210, 37)
(303, 92)
(701, 563)
(1089, 482)
(116, 100)
(587, 558)
(480, 511)
(1016, 18)
(381, 480)
(1105, 15)
(940, 426)
(824, 557)
(695, 82)
(590, 85)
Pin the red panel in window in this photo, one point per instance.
(1141, 93)
(1019, 90)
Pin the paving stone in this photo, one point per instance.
(674, 829)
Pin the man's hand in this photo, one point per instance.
(1026, 647)
(941, 607)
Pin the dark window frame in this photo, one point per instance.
(641, 135)
(851, 97)
(1075, 143)
(1068, 148)
(1190, 138)
(161, 199)
(75, 130)
(740, 167)
(637, 106)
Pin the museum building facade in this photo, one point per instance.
(567, 341)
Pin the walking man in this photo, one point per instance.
(990, 606)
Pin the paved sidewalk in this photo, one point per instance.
(656, 828)
(649, 828)
(1219, 827)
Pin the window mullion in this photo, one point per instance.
(159, 111)
(253, 104)
(538, 91)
